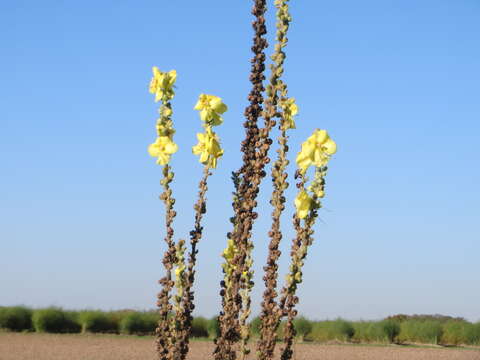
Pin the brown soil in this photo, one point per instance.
(110, 347)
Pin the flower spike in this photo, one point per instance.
(316, 150)
(162, 84)
(162, 148)
(211, 108)
(208, 148)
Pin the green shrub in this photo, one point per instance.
(321, 331)
(15, 318)
(339, 330)
(140, 323)
(461, 333)
(55, 320)
(345, 328)
(418, 331)
(255, 326)
(385, 331)
(367, 332)
(361, 331)
(117, 316)
(431, 332)
(390, 329)
(302, 327)
(97, 322)
(472, 334)
(424, 317)
(454, 332)
(199, 327)
(213, 328)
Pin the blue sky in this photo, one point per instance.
(395, 83)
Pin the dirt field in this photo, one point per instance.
(105, 347)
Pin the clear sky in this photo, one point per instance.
(396, 83)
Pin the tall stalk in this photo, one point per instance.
(162, 86)
(184, 317)
(270, 313)
(307, 209)
(210, 109)
(164, 331)
(237, 281)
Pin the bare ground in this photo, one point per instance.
(14, 346)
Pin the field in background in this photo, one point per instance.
(33, 346)
(399, 329)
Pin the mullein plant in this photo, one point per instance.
(208, 148)
(316, 151)
(237, 283)
(277, 107)
(174, 327)
(161, 86)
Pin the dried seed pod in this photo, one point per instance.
(237, 271)
(276, 91)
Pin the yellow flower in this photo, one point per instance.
(165, 111)
(303, 203)
(162, 83)
(162, 148)
(298, 277)
(210, 107)
(290, 109)
(165, 128)
(316, 150)
(320, 193)
(208, 148)
(179, 271)
(230, 251)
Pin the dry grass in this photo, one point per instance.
(14, 346)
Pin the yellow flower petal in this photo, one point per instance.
(330, 147)
(293, 109)
(210, 107)
(216, 119)
(166, 111)
(172, 77)
(319, 158)
(198, 105)
(204, 114)
(163, 159)
(290, 109)
(162, 148)
(320, 136)
(204, 157)
(303, 203)
(153, 150)
(179, 271)
(303, 161)
(316, 150)
(158, 96)
(208, 148)
(217, 105)
(162, 83)
(171, 148)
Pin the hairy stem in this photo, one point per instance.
(270, 313)
(184, 318)
(298, 253)
(235, 287)
(163, 331)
